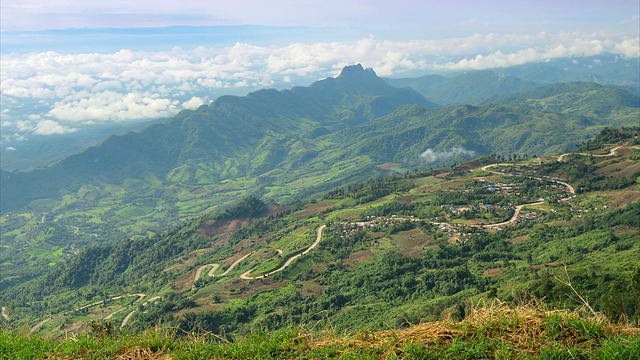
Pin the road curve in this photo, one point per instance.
(246, 276)
(37, 326)
(128, 317)
(216, 266)
(4, 313)
(516, 213)
(199, 271)
(611, 153)
(487, 167)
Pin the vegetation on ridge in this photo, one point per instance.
(496, 331)
(389, 252)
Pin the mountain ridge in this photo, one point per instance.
(316, 138)
(391, 249)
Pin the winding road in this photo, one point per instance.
(611, 153)
(288, 262)
(4, 313)
(516, 213)
(216, 266)
(128, 317)
(321, 228)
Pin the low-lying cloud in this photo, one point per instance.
(52, 93)
(430, 156)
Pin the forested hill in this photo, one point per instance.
(236, 129)
(579, 98)
(379, 254)
(473, 88)
(277, 145)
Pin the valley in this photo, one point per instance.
(294, 144)
(433, 239)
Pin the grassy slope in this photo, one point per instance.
(495, 332)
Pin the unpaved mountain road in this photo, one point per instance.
(288, 262)
(611, 153)
(246, 276)
(216, 266)
(513, 219)
(128, 317)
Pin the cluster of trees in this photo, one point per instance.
(610, 135)
(370, 190)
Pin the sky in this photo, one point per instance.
(399, 17)
(67, 64)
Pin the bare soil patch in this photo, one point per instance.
(455, 183)
(211, 228)
(495, 272)
(625, 197)
(360, 256)
(406, 200)
(411, 242)
(388, 166)
(313, 209)
(311, 288)
(243, 288)
(518, 239)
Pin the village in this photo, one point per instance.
(459, 222)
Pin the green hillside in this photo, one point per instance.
(474, 88)
(381, 254)
(493, 331)
(277, 145)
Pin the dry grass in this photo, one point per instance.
(142, 354)
(525, 328)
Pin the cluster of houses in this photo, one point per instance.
(348, 228)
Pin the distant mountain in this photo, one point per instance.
(601, 69)
(237, 129)
(282, 136)
(283, 145)
(580, 98)
(45, 150)
(472, 88)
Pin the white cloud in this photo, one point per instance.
(628, 48)
(112, 106)
(49, 127)
(193, 103)
(431, 156)
(76, 89)
(10, 148)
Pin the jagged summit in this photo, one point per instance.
(356, 70)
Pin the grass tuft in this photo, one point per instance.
(493, 331)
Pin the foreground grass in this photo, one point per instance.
(492, 332)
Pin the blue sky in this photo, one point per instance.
(67, 64)
(401, 19)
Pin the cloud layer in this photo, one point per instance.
(53, 93)
(430, 156)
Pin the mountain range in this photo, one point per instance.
(380, 254)
(269, 130)
(287, 145)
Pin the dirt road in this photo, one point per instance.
(216, 266)
(611, 153)
(288, 262)
(128, 317)
(516, 213)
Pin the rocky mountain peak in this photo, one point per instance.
(356, 71)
